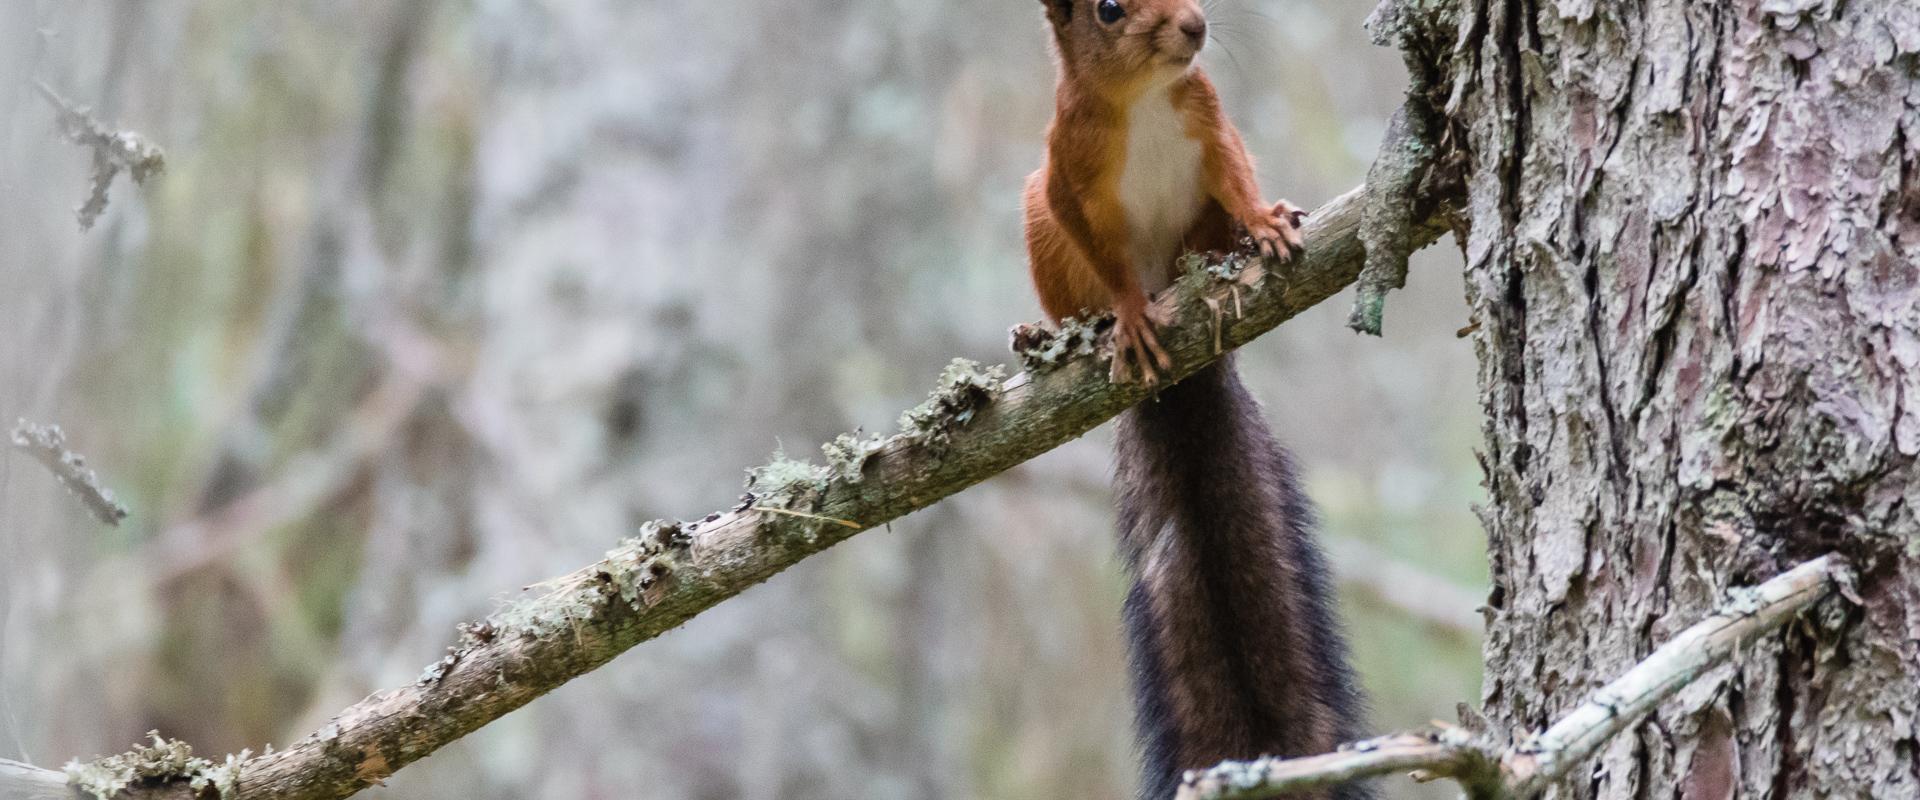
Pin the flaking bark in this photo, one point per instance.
(1695, 266)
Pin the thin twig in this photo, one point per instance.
(1533, 765)
(1439, 603)
(1525, 769)
(48, 445)
(1449, 753)
(415, 367)
(112, 151)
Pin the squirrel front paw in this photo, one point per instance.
(1276, 232)
(1136, 343)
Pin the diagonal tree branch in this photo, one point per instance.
(1488, 770)
(48, 445)
(1442, 605)
(974, 427)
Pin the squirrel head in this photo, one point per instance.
(1125, 43)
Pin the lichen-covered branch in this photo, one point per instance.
(1404, 155)
(975, 426)
(48, 445)
(1412, 165)
(112, 151)
(1532, 765)
(1523, 770)
(1448, 753)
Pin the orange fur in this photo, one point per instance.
(1234, 647)
(1081, 243)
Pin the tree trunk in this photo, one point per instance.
(1695, 231)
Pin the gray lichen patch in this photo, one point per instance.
(848, 453)
(785, 482)
(1220, 282)
(1042, 348)
(635, 573)
(562, 608)
(965, 388)
(163, 762)
(437, 671)
(643, 567)
(113, 151)
(1231, 270)
(473, 634)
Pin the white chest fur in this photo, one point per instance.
(1160, 186)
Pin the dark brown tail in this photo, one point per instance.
(1236, 653)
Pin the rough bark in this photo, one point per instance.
(975, 427)
(1488, 768)
(1693, 261)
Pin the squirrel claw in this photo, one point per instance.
(1294, 217)
(1134, 342)
(1290, 211)
(1278, 236)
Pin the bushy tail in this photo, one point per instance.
(1235, 650)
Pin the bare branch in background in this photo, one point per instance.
(1443, 606)
(416, 365)
(1436, 602)
(1525, 769)
(112, 151)
(23, 782)
(975, 426)
(48, 445)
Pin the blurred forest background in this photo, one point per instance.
(438, 299)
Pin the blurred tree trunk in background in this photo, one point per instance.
(1695, 261)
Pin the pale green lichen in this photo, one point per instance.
(784, 482)
(661, 536)
(965, 388)
(847, 454)
(162, 762)
(223, 779)
(629, 573)
(624, 568)
(561, 609)
(474, 634)
(642, 565)
(437, 671)
(1043, 348)
(1235, 268)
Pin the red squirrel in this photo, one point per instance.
(1233, 643)
(1141, 165)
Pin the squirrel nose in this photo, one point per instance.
(1196, 30)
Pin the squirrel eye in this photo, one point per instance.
(1110, 11)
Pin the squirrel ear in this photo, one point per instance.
(1061, 9)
